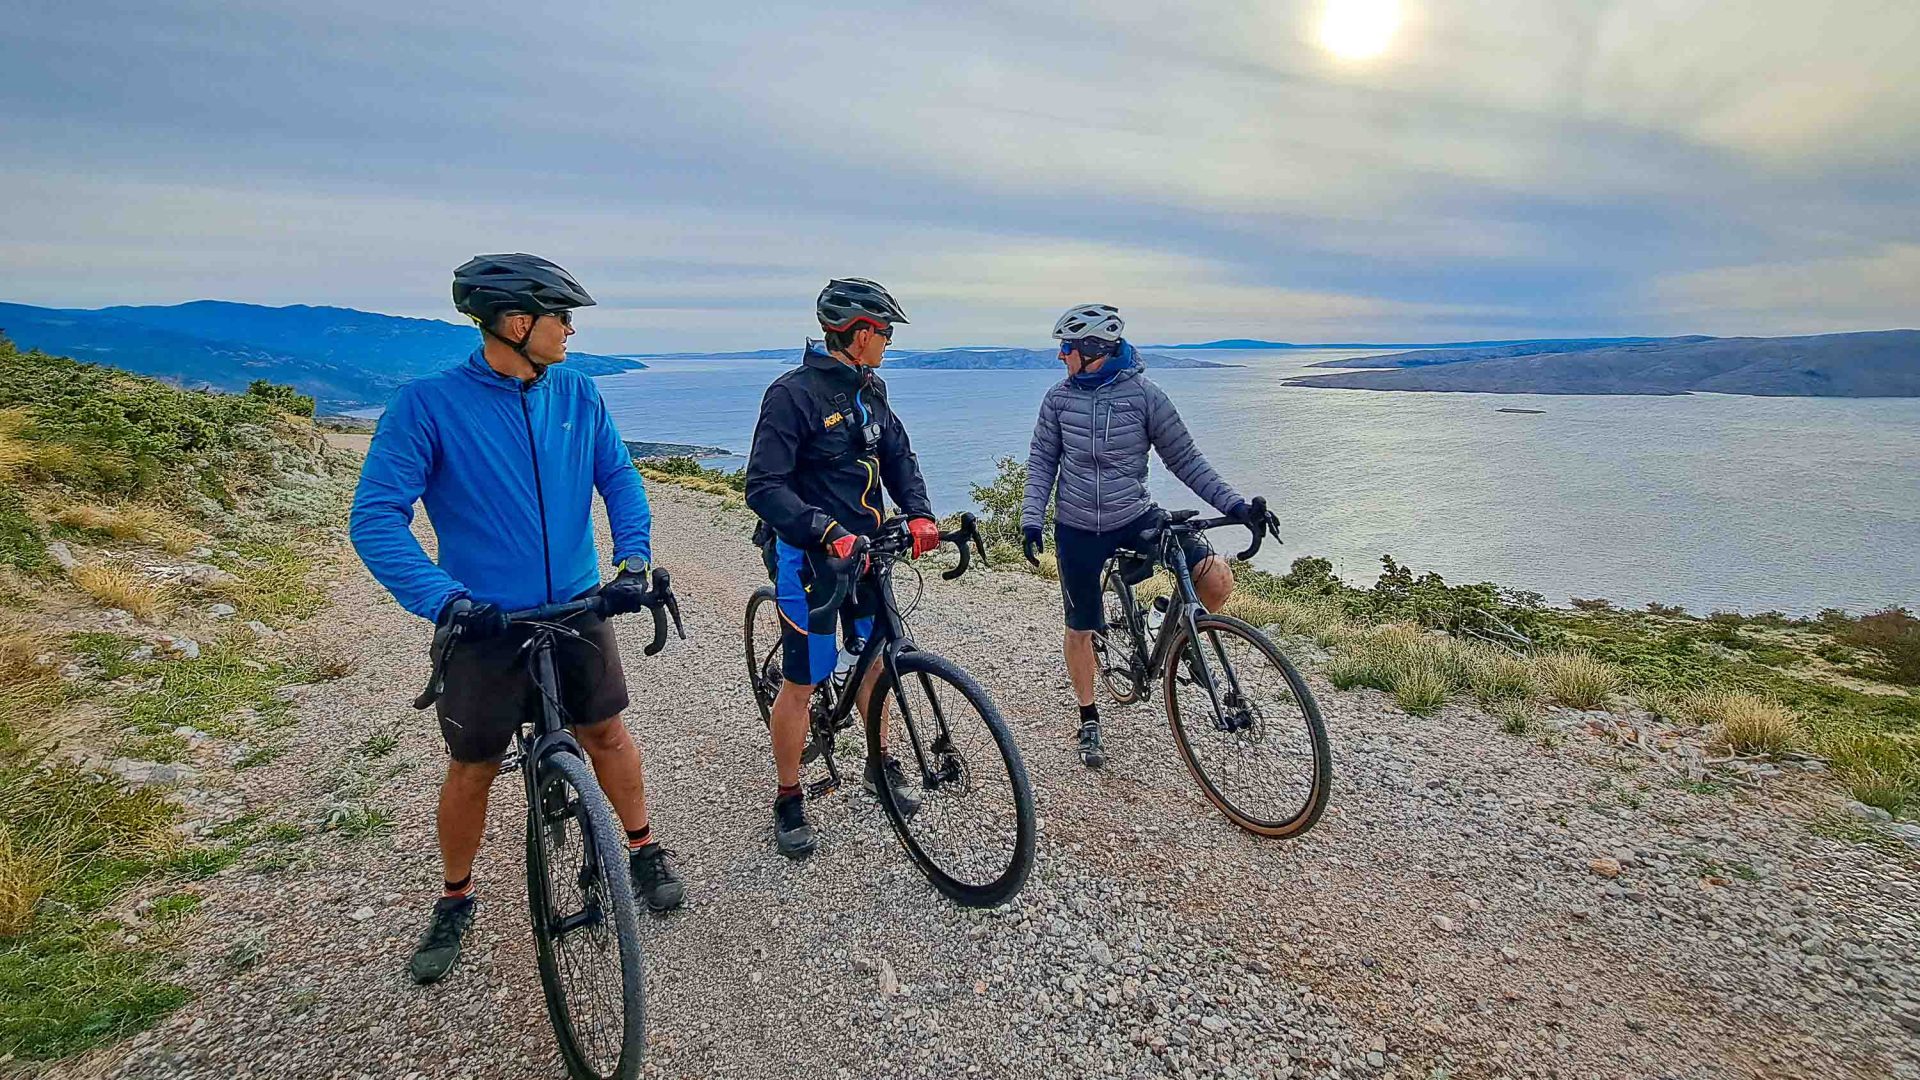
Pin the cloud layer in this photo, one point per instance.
(1506, 168)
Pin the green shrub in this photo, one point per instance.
(21, 543)
(284, 398)
(999, 500)
(1895, 635)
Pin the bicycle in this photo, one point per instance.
(585, 919)
(975, 846)
(1251, 734)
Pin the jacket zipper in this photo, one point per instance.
(539, 496)
(1097, 441)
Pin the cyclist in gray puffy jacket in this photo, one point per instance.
(1090, 447)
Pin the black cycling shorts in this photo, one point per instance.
(489, 692)
(1083, 553)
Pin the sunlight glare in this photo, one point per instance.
(1358, 29)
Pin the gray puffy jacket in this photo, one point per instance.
(1095, 442)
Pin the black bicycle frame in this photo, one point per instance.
(889, 639)
(1187, 600)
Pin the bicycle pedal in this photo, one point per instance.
(818, 788)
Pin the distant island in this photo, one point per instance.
(1882, 363)
(644, 451)
(345, 359)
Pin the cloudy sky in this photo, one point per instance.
(1314, 170)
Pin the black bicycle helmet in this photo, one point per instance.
(846, 301)
(489, 286)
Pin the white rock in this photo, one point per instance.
(362, 913)
(63, 555)
(221, 611)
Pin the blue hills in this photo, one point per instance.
(345, 359)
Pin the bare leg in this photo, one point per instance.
(1213, 581)
(1081, 665)
(866, 699)
(616, 761)
(463, 814)
(790, 723)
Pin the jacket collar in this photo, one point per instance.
(819, 359)
(482, 372)
(1122, 366)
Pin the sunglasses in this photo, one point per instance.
(1090, 348)
(884, 331)
(565, 317)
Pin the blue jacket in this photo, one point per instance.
(507, 472)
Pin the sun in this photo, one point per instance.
(1358, 29)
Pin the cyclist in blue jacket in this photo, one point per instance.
(506, 450)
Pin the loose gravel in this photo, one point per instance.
(1473, 904)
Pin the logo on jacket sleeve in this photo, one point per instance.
(835, 419)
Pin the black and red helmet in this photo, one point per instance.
(847, 301)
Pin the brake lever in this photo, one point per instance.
(660, 602)
(443, 642)
(968, 530)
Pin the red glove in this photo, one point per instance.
(841, 546)
(926, 535)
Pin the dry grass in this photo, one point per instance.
(1515, 715)
(1420, 690)
(114, 587)
(28, 688)
(143, 524)
(1577, 680)
(1745, 722)
(1496, 677)
(1319, 620)
(27, 873)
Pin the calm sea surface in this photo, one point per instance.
(1715, 502)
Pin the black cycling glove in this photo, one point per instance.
(476, 622)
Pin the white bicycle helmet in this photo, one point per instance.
(1090, 321)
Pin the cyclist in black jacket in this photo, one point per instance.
(826, 442)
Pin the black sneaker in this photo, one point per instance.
(903, 793)
(1093, 753)
(654, 882)
(792, 832)
(439, 947)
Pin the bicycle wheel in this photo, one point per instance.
(1117, 647)
(1256, 745)
(584, 922)
(973, 835)
(763, 650)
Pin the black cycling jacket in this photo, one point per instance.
(825, 442)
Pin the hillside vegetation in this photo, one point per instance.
(157, 550)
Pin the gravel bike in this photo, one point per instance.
(973, 833)
(1243, 719)
(585, 921)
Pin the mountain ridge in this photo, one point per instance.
(343, 357)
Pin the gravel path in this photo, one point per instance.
(1445, 919)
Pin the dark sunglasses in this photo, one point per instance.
(1090, 348)
(565, 317)
(883, 331)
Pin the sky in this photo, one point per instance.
(1332, 170)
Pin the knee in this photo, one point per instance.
(609, 734)
(1079, 639)
(471, 775)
